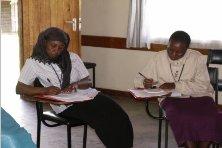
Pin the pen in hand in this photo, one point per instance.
(48, 80)
(143, 75)
(148, 82)
(52, 90)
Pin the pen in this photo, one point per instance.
(48, 80)
(153, 83)
(143, 75)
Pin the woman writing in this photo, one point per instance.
(61, 71)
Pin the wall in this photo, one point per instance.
(6, 16)
(116, 68)
(109, 18)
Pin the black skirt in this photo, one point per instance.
(110, 121)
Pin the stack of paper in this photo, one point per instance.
(147, 93)
(78, 96)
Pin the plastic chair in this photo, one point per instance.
(44, 116)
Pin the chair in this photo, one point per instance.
(44, 116)
(213, 73)
(215, 57)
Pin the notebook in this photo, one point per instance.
(148, 93)
(79, 96)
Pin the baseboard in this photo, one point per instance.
(120, 43)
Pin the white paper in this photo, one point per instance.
(175, 93)
(148, 93)
(78, 96)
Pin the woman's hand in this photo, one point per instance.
(167, 86)
(84, 85)
(70, 88)
(52, 90)
(147, 83)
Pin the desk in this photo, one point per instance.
(153, 95)
(160, 118)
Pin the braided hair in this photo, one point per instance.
(63, 60)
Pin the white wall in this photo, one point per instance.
(116, 68)
(105, 17)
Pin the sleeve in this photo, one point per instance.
(27, 74)
(149, 71)
(78, 65)
(200, 84)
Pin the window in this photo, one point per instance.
(199, 18)
(153, 21)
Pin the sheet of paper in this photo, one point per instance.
(147, 93)
(79, 96)
(175, 93)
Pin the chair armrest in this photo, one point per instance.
(89, 65)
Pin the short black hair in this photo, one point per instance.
(181, 36)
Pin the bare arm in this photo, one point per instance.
(85, 83)
(29, 90)
(82, 84)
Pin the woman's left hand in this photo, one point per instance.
(167, 86)
(70, 88)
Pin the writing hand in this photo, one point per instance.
(168, 86)
(147, 83)
(52, 90)
(84, 85)
(70, 88)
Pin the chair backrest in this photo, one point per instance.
(214, 56)
(213, 73)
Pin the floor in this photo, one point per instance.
(145, 128)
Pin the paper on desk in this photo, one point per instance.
(175, 93)
(79, 96)
(147, 93)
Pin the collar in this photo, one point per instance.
(178, 62)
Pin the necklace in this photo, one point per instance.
(176, 73)
(60, 80)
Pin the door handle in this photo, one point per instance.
(73, 23)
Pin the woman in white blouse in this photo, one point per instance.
(61, 71)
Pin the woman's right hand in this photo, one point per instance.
(52, 90)
(148, 83)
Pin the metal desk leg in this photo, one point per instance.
(166, 133)
(160, 128)
(94, 79)
(159, 118)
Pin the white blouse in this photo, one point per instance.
(51, 75)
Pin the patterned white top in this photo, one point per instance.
(46, 73)
(189, 73)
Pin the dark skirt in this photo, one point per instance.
(111, 123)
(219, 127)
(192, 119)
